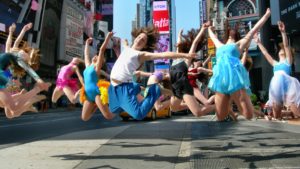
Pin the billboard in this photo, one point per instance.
(290, 14)
(71, 32)
(50, 32)
(161, 16)
(163, 45)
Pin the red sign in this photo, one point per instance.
(161, 21)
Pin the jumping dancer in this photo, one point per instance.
(194, 70)
(122, 91)
(179, 77)
(91, 77)
(230, 78)
(16, 59)
(283, 89)
(67, 85)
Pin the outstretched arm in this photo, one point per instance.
(214, 37)
(198, 37)
(144, 56)
(87, 61)
(286, 46)
(142, 73)
(201, 69)
(102, 51)
(264, 51)
(11, 30)
(21, 35)
(244, 43)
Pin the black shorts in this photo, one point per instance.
(179, 80)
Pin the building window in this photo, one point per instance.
(240, 7)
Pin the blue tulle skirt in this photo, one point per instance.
(229, 76)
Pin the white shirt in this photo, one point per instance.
(125, 65)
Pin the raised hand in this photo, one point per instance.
(89, 41)
(268, 11)
(110, 34)
(281, 26)
(27, 26)
(206, 25)
(12, 28)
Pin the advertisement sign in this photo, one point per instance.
(107, 9)
(89, 23)
(163, 45)
(74, 33)
(204, 15)
(50, 35)
(290, 14)
(161, 16)
(211, 47)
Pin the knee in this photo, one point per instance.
(109, 116)
(73, 101)
(174, 108)
(137, 116)
(9, 115)
(85, 118)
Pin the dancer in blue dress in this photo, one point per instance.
(283, 89)
(230, 78)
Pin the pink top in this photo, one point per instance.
(66, 72)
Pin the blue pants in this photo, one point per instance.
(123, 98)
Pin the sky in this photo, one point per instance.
(125, 11)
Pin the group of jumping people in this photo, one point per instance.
(179, 89)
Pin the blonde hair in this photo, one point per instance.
(33, 62)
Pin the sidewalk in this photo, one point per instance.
(245, 144)
(182, 142)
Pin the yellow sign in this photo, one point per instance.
(210, 43)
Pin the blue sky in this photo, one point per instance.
(125, 10)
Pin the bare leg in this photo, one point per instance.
(161, 105)
(200, 97)
(242, 100)
(195, 107)
(27, 106)
(70, 94)
(177, 105)
(12, 107)
(57, 93)
(104, 108)
(295, 109)
(223, 105)
(88, 110)
(277, 111)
